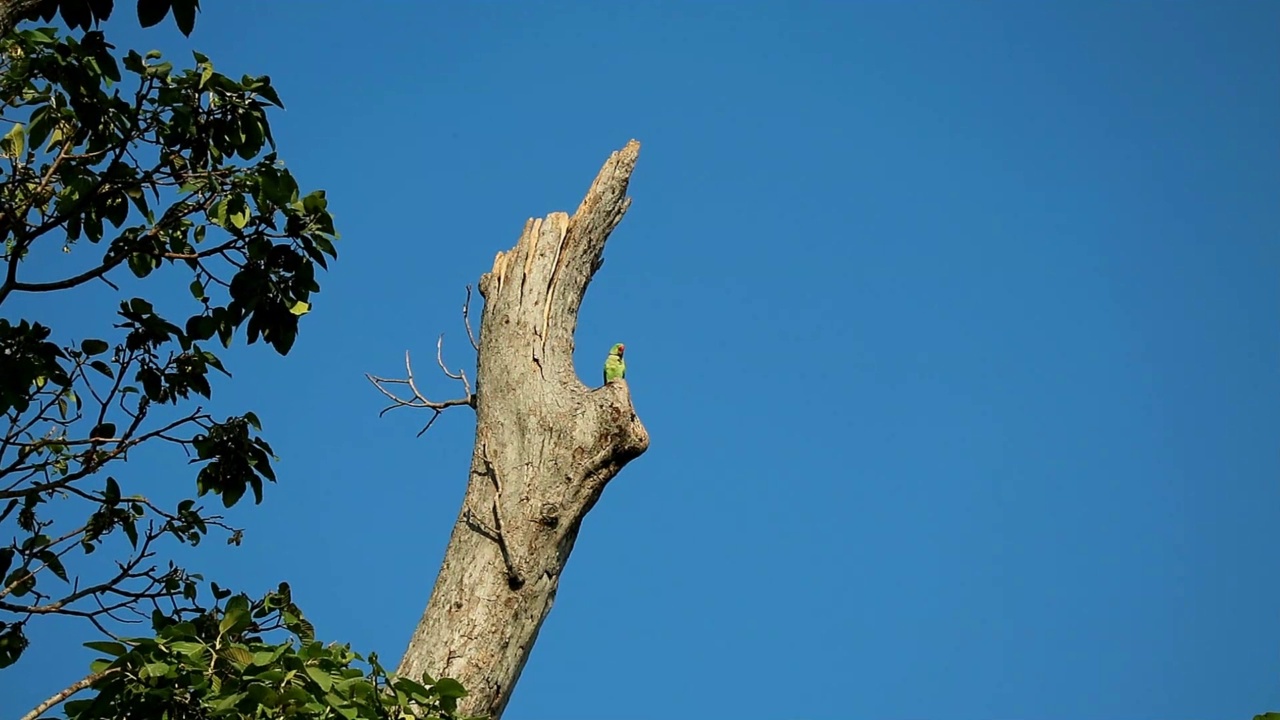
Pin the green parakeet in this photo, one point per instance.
(614, 367)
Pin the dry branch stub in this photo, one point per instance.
(546, 446)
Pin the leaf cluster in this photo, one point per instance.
(133, 166)
(223, 662)
(87, 14)
(90, 157)
(130, 165)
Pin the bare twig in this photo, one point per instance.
(466, 320)
(127, 441)
(418, 400)
(128, 571)
(460, 375)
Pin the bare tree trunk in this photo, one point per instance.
(13, 12)
(545, 447)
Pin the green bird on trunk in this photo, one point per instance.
(614, 367)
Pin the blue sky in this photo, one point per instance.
(953, 325)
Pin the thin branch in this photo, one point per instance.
(466, 320)
(24, 241)
(15, 431)
(418, 400)
(102, 629)
(203, 253)
(65, 284)
(60, 606)
(460, 375)
(70, 690)
(175, 213)
(103, 459)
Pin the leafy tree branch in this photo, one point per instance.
(128, 164)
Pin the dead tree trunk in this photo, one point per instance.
(13, 12)
(546, 446)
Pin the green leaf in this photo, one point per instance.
(131, 531)
(315, 202)
(269, 93)
(305, 630)
(112, 494)
(103, 431)
(321, 678)
(236, 619)
(184, 15)
(416, 691)
(41, 36)
(263, 657)
(238, 211)
(133, 62)
(450, 688)
(232, 492)
(155, 669)
(93, 347)
(151, 12)
(75, 13)
(160, 70)
(193, 650)
(142, 264)
(12, 643)
(103, 368)
(238, 655)
(114, 649)
(14, 144)
(51, 561)
(197, 291)
(226, 702)
(300, 308)
(201, 327)
(116, 209)
(39, 127)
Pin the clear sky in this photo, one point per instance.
(954, 325)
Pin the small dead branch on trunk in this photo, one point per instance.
(466, 320)
(420, 401)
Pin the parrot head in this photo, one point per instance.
(618, 349)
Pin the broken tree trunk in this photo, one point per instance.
(546, 446)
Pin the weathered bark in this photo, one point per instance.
(13, 12)
(546, 446)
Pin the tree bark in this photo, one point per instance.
(13, 12)
(546, 446)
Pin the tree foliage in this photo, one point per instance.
(218, 664)
(129, 165)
